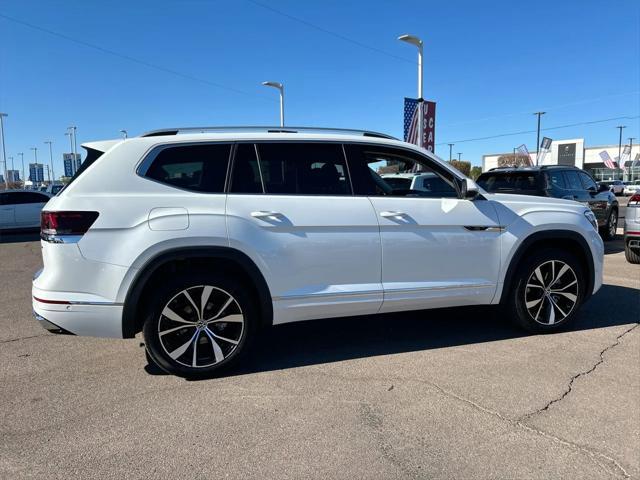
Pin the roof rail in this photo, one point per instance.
(267, 129)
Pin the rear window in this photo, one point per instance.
(201, 168)
(512, 182)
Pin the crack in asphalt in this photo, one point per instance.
(578, 375)
(24, 338)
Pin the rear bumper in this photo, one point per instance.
(61, 313)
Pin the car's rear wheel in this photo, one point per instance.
(549, 287)
(199, 325)
(610, 228)
(631, 254)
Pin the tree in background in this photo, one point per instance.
(475, 172)
(462, 166)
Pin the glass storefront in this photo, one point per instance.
(605, 174)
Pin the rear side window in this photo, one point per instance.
(17, 198)
(573, 180)
(513, 182)
(303, 168)
(201, 168)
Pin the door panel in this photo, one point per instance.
(430, 258)
(28, 214)
(7, 216)
(320, 255)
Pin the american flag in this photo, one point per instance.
(604, 155)
(522, 150)
(411, 120)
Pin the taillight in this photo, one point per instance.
(635, 199)
(58, 224)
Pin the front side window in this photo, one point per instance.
(202, 168)
(303, 168)
(573, 180)
(385, 171)
(588, 182)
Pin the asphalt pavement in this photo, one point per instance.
(456, 393)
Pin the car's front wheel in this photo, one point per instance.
(549, 287)
(609, 230)
(199, 325)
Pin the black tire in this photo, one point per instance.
(212, 337)
(632, 255)
(543, 317)
(608, 232)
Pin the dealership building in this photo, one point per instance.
(574, 152)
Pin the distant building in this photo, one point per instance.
(36, 173)
(13, 175)
(71, 163)
(573, 152)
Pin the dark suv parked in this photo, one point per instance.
(559, 182)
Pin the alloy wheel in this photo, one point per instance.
(551, 292)
(200, 326)
(613, 223)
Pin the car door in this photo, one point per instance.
(7, 210)
(28, 207)
(290, 207)
(438, 250)
(598, 201)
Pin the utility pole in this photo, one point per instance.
(459, 156)
(49, 142)
(450, 150)
(539, 114)
(4, 152)
(620, 128)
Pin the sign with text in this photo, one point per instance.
(411, 112)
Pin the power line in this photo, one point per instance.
(329, 32)
(524, 132)
(130, 58)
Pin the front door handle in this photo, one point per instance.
(265, 214)
(391, 214)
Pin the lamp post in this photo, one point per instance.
(539, 114)
(74, 142)
(450, 150)
(4, 152)
(413, 40)
(124, 133)
(22, 158)
(280, 87)
(49, 142)
(459, 156)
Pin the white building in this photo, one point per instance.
(573, 152)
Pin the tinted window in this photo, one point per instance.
(202, 168)
(15, 198)
(512, 182)
(588, 182)
(303, 168)
(573, 181)
(556, 179)
(385, 171)
(245, 177)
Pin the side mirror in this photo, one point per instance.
(469, 189)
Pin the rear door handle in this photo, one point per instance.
(391, 214)
(265, 214)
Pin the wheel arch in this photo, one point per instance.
(568, 239)
(226, 258)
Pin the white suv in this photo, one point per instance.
(200, 237)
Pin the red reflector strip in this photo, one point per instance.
(633, 233)
(55, 302)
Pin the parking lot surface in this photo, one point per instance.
(455, 393)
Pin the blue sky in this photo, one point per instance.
(488, 65)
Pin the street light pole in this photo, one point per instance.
(74, 143)
(459, 156)
(413, 40)
(450, 150)
(124, 134)
(280, 87)
(22, 158)
(49, 142)
(4, 152)
(35, 156)
(539, 114)
(620, 127)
